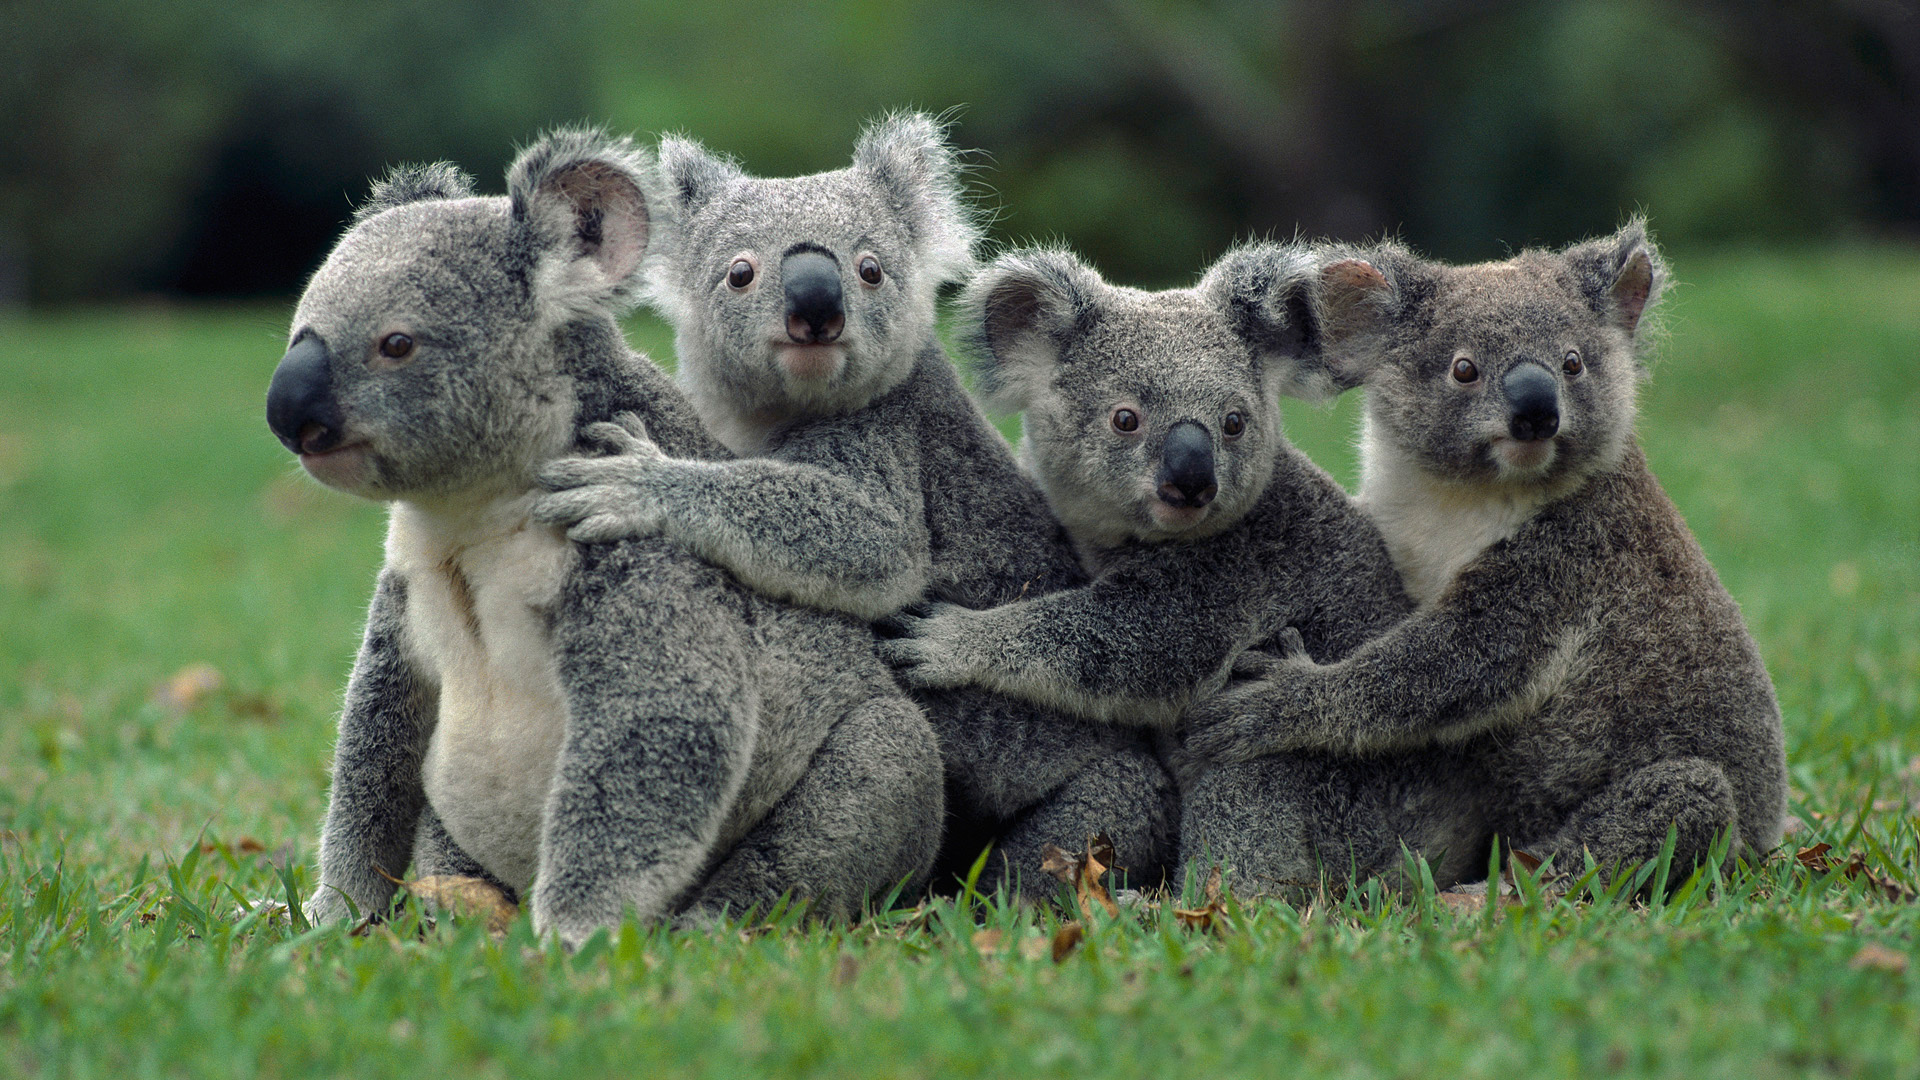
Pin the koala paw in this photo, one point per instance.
(920, 643)
(598, 499)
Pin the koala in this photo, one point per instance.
(606, 728)
(1575, 679)
(1152, 423)
(804, 313)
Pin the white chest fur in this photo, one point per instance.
(482, 583)
(1434, 527)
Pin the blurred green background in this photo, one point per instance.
(215, 149)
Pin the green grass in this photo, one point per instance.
(148, 522)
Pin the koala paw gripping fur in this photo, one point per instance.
(1575, 680)
(803, 312)
(609, 729)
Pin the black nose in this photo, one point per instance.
(1186, 467)
(301, 408)
(815, 311)
(1533, 403)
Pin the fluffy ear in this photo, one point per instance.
(1621, 276)
(579, 195)
(693, 174)
(414, 183)
(1359, 293)
(1017, 315)
(1268, 294)
(909, 156)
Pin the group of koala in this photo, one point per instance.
(802, 625)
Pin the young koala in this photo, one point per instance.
(617, 727)
(1152, 423)
(804, 318)
(1576, 680)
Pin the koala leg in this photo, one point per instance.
(1004, 756)
(1278, 823)
(864, 817)
(435, 853)
(1626, 824)
(1125, 793)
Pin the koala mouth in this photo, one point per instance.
(811, 361)
(1177, 518)
(340, 467)
(1531, 456)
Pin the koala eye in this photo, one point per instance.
(396, 346)
(1464, 370)
(1572, 365)
(1126, 421)
(740, 274)
(869, 269)
(1233, 425)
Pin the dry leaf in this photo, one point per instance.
(1211, 915)
(1879, 958)
(845, 970)
(1083, 872)
(1066, 939)
(188, 688)
(989, 942)
(1815, 858)
(463, 897)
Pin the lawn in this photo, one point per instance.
(178, 609)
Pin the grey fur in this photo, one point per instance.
(604, 729)
(1280, 549)
(875, 480)
(1576, 679)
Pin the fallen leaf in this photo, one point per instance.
(1879, 958)
(1815, 858)
(1066, 939)
(845, 970)
(188, 688)
(464, 897)
(989, 942)
(1083, 872)
(1211, 915)
(249, 846)
(1033, 948)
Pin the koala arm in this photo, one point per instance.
(660, 732)
(377, 792)
(835, 522)
(1498, 643)
(1135, 646)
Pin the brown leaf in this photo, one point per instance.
(1879, 958)
(1211, 915)
(1066, 939)
(464, 897)
(1463, 903)
(1527, 859)
(188, 687)
(1083, 872)
(1815, 858)
(249, 846)
(845, 970)
(989, 942)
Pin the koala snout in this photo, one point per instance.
(1186, 467)
(1533, 402)
(816, 311)
(301, 408)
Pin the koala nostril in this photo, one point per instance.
(317, 438)
(1186, 467)
(301, 408)
(816, 311)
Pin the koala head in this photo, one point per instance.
(1148, 415)
(1519, 373)
(809, 295)
(426, 356)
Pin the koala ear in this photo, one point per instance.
(1267, 293)
(908, 155)
(1620, 276)
(415, 183)
(579, 195)
(1359, 294)
(1017, 315)
(693, 174)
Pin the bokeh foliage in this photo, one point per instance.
(215, 148)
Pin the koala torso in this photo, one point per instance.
(481, 598)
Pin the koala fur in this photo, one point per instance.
(1576, 680)
(607, 728)
(804, 313)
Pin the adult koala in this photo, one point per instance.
(804, 316)
(618, 727)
